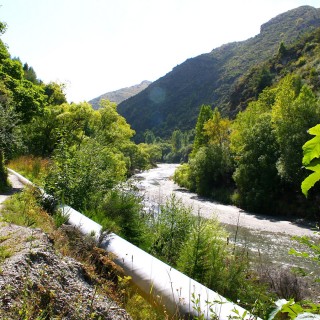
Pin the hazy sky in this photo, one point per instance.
(97, 46)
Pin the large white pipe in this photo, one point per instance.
(161, 283)
(157, 281)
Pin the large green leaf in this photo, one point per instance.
(310, 181)
(311, 149)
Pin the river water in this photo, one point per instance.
(267, 238)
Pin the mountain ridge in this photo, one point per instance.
(173, 101)
(120, 95)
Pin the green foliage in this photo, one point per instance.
(314, 249)
(151, 153)
(291, 310)
(30, 74)
(210, 168)
(202, 257)
(210, 165)
(24, 209)
(311, 155)
(182, 176)
(122, 209)
(13, 68)
(33, 168)
(54, 93)
(256, 154)
(170, 230)
(293, 113)
(200, 138)
(80, 176)
(8, 140)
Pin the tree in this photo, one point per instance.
(177, 140)
(149, 137)
(204, 252)
(111, 129)
(295, 110)
(80, 176)
(8, 122)
(200, 138)
(30, 74)
(217, 129)
(210, 169)
(256, 153)
(55, 93)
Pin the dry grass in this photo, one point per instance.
(33, 168)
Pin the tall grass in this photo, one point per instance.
(31, 167)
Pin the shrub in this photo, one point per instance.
(171, 229)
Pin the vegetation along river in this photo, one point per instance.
(267, 238)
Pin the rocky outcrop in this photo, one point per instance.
(34, 279)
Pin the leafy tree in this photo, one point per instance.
(217, 129)
(70, 122)
(13, 68)
(200, 138)
(55, 93)
(30, 74)
(111, 129)
(80, 176)
(152, 153)
(256, 155)
(177, 140)
(149, 137)
(8, 122)
(210, 169)
(295, 111)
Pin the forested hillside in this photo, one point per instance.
(173, 101)
(255, 160)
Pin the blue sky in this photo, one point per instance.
(96, 46)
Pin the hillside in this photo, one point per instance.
(173, 101)
(120, 95)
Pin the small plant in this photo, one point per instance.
(5, 253)
(60, 218)
(292, 310)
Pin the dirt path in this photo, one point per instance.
(17, 186)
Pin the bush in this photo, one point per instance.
(170, 230)
(122, 211)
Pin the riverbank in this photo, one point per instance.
(267, 238)
(156, 184)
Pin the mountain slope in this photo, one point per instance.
(120, 95)
(173, 101)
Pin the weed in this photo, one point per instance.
(5, 253)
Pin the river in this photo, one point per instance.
(267, 238)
